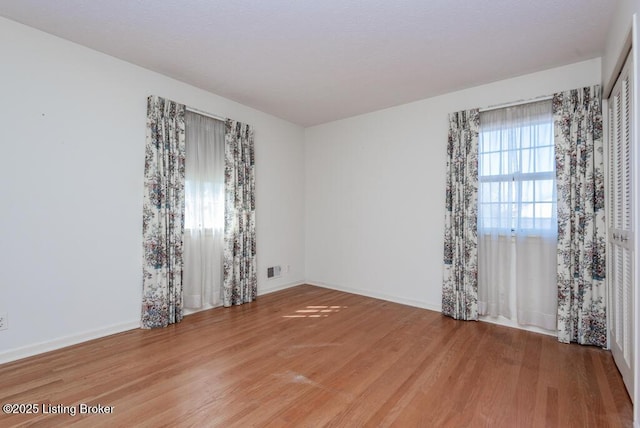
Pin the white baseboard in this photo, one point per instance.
(430, 306)
(382, 296)
(261, 292)
(267, 290)
(62, 342)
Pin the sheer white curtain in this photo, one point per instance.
(517, 220)
(204, 211)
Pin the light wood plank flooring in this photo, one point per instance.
(311, 357)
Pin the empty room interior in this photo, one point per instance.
(319, 213)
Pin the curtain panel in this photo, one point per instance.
(517, 227)
(240, 284)
(579, 147)
(163, 213)
(204, 211)
(460, 282)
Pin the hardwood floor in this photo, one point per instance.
(308, 357)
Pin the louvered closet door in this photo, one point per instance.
(620, 219)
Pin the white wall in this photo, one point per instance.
(72, 141)
(619, 31)
(375, 189)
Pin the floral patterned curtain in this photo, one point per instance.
(460, 284)
(163, 213)
(240, 284)
(577, 117)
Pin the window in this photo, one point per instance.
(204, 173)
(204, 211)
(517, 226)
(204, 205)
(517, 170)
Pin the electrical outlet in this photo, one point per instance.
(4, 322)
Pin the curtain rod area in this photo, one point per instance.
(204, 113)
(517, 103)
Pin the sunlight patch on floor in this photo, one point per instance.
(315, 311)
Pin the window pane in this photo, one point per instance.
(517, 147)
(525, 137)
(527, 194)
(494, 163)
(483, 143)
(527, 165)
(505, 192)
(544, 210)
(544, 135)
(505, 165)
(484, 165)
(545, 160)
(544, 190)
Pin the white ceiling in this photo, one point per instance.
(314, 61)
